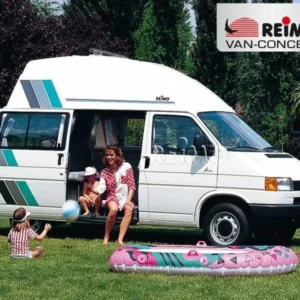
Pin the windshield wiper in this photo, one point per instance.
(244, 148)
(270, 149)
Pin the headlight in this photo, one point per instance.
(278, 184)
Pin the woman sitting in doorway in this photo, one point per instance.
(90, 193)
(118, 181)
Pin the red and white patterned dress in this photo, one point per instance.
(19, 241)
(117, 185)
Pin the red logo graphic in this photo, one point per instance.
(242, 27)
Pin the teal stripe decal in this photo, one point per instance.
(27, 194)
(52, 94)
(10, 158)
(15, 192)
(2, 159)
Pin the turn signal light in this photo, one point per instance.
(271, 184)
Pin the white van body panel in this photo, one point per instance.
(247, 172)
(259, 164)
(112, 83)
(277, 167)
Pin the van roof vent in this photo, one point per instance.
(95, 51)
(278, 155)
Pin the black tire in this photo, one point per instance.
(279, 235)
(37, 225)
(226, 224)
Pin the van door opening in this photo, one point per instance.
(92, 132)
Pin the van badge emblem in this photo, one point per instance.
(207, 170)
(162, 98)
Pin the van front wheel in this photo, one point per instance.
(226, 224)
(37, 226)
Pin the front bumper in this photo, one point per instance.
(278, 211)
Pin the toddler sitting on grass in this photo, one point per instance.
(20, 234)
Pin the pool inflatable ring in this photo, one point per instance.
(201, 259)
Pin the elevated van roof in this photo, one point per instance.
(101, 82)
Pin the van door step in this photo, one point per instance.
(102, 219)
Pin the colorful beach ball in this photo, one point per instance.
(70, 210)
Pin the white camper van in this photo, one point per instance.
(196, 163)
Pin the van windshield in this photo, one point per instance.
(233, 133)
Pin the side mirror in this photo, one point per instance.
(203, 145)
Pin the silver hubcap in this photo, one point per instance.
(224, 228)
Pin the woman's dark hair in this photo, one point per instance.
(117, 150)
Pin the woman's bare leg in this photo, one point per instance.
(83, 203)
(98, 203)
(110, 221)
(37, 252)
(125, 222)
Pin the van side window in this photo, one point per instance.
(32, 130)
(135, 130)
(124, 130)
(175, 135)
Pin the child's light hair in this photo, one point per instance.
(19, 214)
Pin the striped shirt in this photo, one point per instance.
(19, 240)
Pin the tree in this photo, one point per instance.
(121, 18)
(25, 35)
(265, 81)
(211, 64)
(165, 36)
(45, 8)
(295, 101)
(279, 73)
(148, 45)
(249, 88)
(184, 60)
(293, 147)
(170, 16)
(276, 124)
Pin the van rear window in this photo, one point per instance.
(33, 130)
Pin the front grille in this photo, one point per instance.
(296, 185)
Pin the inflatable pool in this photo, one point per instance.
(201, 259)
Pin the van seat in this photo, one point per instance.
(76, 176)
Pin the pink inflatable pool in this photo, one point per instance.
(201, 259)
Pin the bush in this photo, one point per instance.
(293, 147)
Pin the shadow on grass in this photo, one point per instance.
(136, 234)
(145, 235)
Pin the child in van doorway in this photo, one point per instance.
(20, 234)
(89, 193)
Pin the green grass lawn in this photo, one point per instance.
(76, 266)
